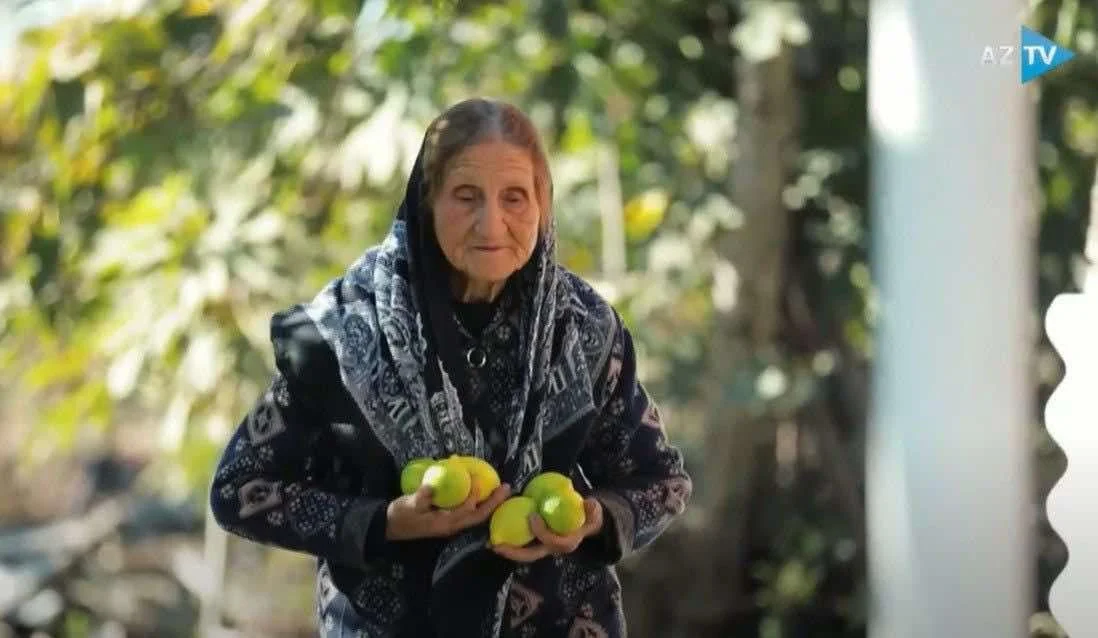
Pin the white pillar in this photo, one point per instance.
(949, 495)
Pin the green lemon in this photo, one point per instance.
(546, 484)
(563, 512)
(449, 482)
(412, 475)
(484, 476)
(510, 524)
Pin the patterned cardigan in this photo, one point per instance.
(303, 473)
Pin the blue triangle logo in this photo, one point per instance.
(1040, 55)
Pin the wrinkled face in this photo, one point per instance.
(485, 212)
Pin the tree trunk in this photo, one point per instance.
(217, 547)
(614, 263)
(745, 336)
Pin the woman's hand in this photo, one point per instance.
(550, 543)
(412, 516)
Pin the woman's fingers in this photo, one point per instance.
(471, 513)
(556, 543)
(466, 510)
(457, 519)
(593, 509)
(567, 543)
(421, 499)
(494, 500)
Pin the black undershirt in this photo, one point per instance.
(474, 316)
(477, 318)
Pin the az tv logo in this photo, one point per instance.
(1039, 55)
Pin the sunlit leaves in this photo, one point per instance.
(644, 213)
(79, 412)
(578, 134)
(766, 27)
(1081, 124)
(144, 216)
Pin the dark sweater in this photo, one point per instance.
(302, 472)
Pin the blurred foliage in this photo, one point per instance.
(172, 176)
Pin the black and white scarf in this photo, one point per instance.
(396, 344)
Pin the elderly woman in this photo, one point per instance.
(459, 334)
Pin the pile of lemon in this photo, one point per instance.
(451, 480)
(552, 496)
(549, 494)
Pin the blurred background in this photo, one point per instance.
(174, 171)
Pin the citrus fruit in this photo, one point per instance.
(449, 482)
(412, 475)
(510, 524)
(484, 476)
(563, 512)
(545, 484)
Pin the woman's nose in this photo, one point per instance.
(490, 218)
